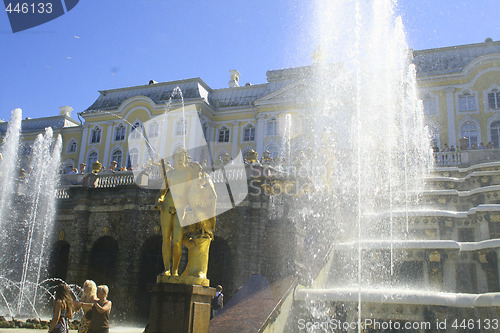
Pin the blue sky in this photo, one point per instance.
(106, 44)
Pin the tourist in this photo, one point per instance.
(99, 320)
(481, 146)
(89, 297)
(63, 310)
(217, 301)
(489, 145)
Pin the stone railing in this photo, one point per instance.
(451, 158)
(62, 193)
(107, 180)
(151, 178)
(466, 157)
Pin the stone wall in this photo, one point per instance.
(114, 237)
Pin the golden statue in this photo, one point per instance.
(186, 185)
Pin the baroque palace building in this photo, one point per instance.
(459, 87)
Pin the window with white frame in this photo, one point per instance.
(495, 133)
(467, 102)
(92, 158)
(274, 150)
(120, 133)
(429, 105)
(154, 130)
(71, 148)
(136, 131)
(117, 156)
(223, 134)
(96, 135)
(181, 127)
(133, 158)
(249, 133)
(469, 130)
(494, 100)
(272, 127)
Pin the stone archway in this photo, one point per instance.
(59, 259)
(219, 262)
(150, 265)
(103, 261)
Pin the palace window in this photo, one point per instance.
(495, 134)
(71, 147)
(249, 133)
(274, 150)
(470, 131)
(91, 160)
(223, 134)
(154, 130)
(136, 131)
(494, 100)
(117, 157)
(467, 102)
(179, 128)
(120, 133)
(133, 158)
(272, 127)
(96, 135)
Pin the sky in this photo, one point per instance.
(108, 44)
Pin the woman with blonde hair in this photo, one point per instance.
(63, 310)
(89, 297)
(99, 323)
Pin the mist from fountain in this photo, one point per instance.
(27, 211)
(370, 151)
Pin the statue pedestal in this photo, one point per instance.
(180, 308)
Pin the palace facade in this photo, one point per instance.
(459, 87)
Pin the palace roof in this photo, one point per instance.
(451, 59)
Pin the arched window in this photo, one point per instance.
(495, 133)
(469, 130)
(467, 102)
(71, 148)
(96, 135)
(91, 159)
(179, 128)
(154, 130)
(274, 150)
(136, 131)
(120, 133)
(494, 100)
(272, 127)
(223, 134)
(249, 133)
(117, 157)
(133, 158)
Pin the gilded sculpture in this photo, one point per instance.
(186, 186)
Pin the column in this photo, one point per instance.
(109, 135)
(83, 144)
(259, 134)
(192, 141)
(236, 138)
(450, 110)
(164, 138)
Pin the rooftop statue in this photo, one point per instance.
(186, 185)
